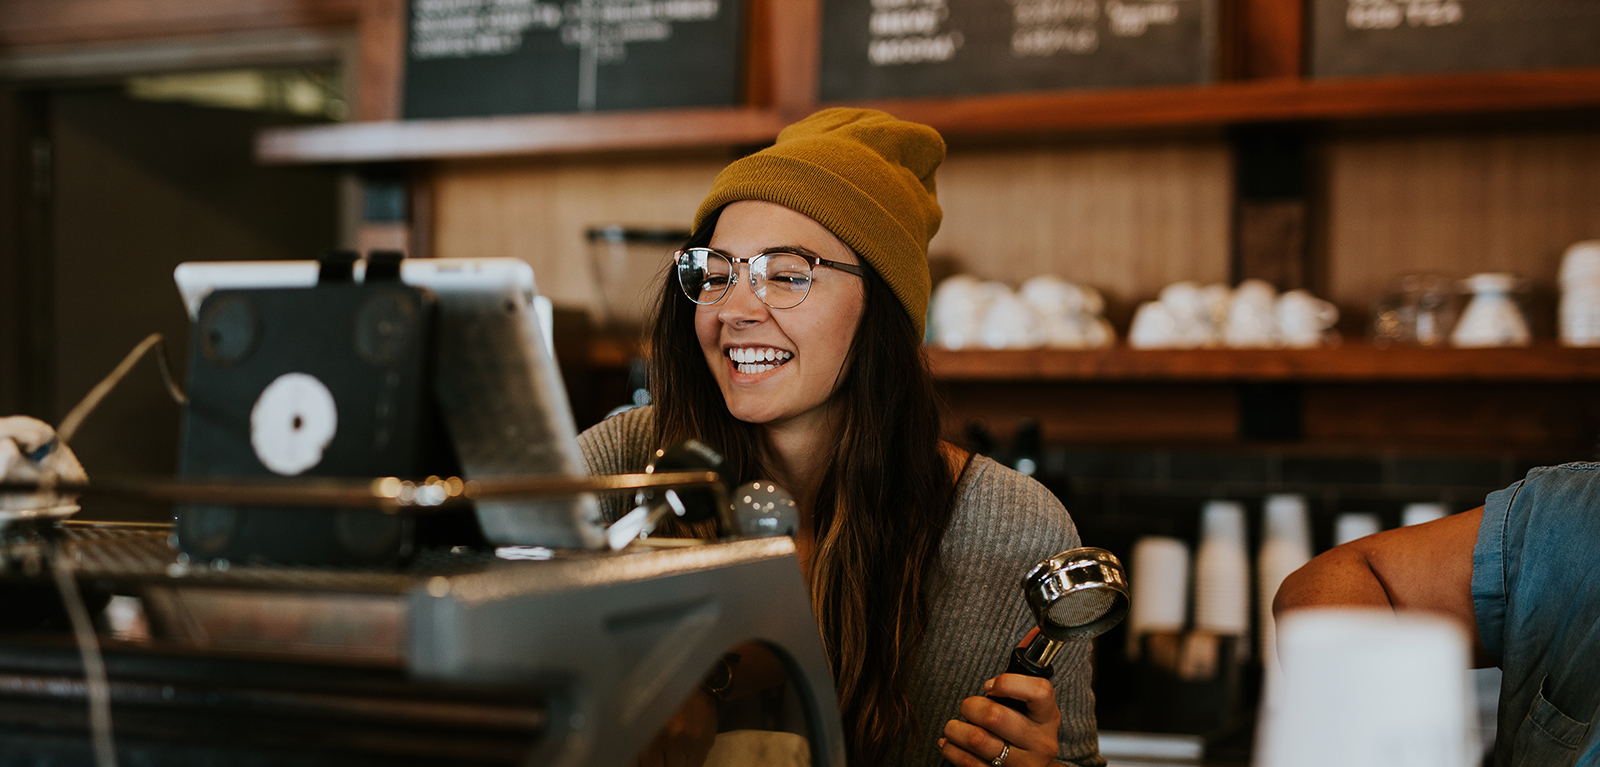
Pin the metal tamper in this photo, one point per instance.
(1075, 595)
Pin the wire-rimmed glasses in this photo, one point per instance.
(779, 278)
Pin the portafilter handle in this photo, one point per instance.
(1076, 595)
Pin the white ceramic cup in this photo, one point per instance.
(1303, 319)
(1153, 327)
(1370, 688)
(1252, 321)
(1492, 318)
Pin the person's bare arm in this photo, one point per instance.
(1424, 567)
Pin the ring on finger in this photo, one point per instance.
(1000, 760)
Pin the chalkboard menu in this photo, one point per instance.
(493, 57)
(889, 48)
(1377, 37)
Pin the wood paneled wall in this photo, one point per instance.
(1127, 219)
(1457, 205)
(539, 210)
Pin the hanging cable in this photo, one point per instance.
(97, 684)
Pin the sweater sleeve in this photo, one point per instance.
(620, 444)
(1003, 524)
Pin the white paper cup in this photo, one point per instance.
(1370, 688)
(1418, 513)
(1160, 588)
(1351, 526)
(1222, 572)
(1285, 547)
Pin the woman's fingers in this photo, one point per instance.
(1037, 693)
(966, 745)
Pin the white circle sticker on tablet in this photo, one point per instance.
(292, 422)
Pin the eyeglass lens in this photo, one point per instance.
(780, 280)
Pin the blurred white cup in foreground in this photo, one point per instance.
(1370, 688)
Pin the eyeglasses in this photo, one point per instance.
(780, 279)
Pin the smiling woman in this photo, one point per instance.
(789, 338)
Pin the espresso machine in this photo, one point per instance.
(384, 550)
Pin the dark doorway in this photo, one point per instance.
(137, 188)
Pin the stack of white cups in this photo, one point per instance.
(1372, 688)
(1419, 513)
(1222, 573)
(1349, 527)
(1160, 589)
(1580, 295)
(1285, 548)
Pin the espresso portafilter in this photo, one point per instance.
(1076, 595)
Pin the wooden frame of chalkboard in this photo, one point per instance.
(1259, 79)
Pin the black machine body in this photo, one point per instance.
(327, 381)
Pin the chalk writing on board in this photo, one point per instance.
(600, 30)
(910, 32)
(1389, 14)
(918, 31)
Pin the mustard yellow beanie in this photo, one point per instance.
(864, 175)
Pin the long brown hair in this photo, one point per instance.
(884, 505)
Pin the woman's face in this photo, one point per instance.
(807, 344)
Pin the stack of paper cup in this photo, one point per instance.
(1418, 513)
(1580, 295)
(1285, 547)
(1369, 687)
(1349, 527)
(1160, 588)
(1222, 572)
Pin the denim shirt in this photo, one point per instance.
(1536, 592)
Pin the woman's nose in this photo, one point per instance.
(741, 305)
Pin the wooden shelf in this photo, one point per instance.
(1353, 362)
(517, 135)
(964, 118)
(1229, 103)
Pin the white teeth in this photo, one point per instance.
(747, 357)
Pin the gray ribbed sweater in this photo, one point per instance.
(1003, 523)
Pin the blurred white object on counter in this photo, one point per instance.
(1048, 311)
(1160, 599)
(1222, 572)
(1285, 547)
(1580, 295)
(1419, 513)
(1492, 317)
(1369, 687)
(1354, 525)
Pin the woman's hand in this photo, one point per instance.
(990, 727)
(685, 740)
